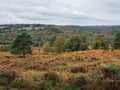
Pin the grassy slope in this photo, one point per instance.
(62, 64)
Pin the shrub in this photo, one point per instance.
(17, 83)
(50, 81)
(6, 76)
(36, 77)
(111, 85)
(107, 85)
(36, 86)
(47, 49)
(79, 82)
(52, 76)
(110, 70)
(96, 78)
(67, 87)
(5, 48)
(47, 85)
(9, 80)
(77, 69)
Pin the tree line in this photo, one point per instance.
(23, 43)
(79, 43)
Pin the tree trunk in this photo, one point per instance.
(23, 53)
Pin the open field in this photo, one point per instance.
(30, 71)
(60, 45)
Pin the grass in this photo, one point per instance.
(33, 69)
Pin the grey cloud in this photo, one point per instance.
(77, 12)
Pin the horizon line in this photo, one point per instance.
(57, 24)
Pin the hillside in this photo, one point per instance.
(44, 71)
(45, 32)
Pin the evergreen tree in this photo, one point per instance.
(116, 41)
(22, 45)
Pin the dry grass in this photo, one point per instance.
(62, 64)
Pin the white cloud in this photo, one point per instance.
(77, 12)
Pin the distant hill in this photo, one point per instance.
(45, 32)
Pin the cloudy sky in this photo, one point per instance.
(62, 12)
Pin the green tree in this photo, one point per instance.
(52, 40)
(22, 45)
(84, 44)
(38, 42)
(47, 48)
(101, 42)
(116, 41)
(73, 44)
(59, 44)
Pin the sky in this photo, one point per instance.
(60, 12)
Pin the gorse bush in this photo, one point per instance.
(79, 82)
(47, 85)
(102, 78)
(10, 81)
(6, 76)
(96, 78)
(17, 83)
(36, 77)
(67, 87)
(4, 48)
(110, 70)
(49, 82)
